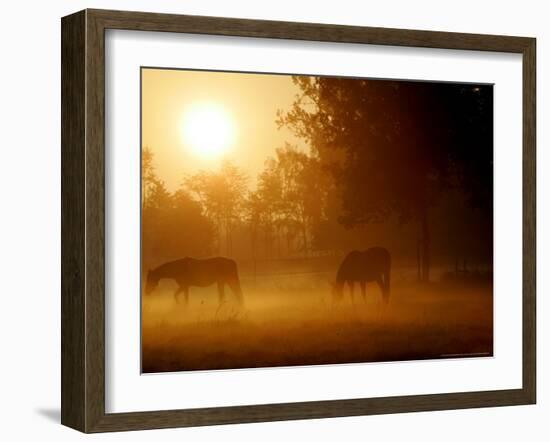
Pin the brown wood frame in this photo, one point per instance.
(83, 216)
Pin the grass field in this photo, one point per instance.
(295, 322)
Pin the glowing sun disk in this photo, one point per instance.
(208, 130)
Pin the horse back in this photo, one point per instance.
(204, 272)
(365, 265)
(351, 267)
(378, 259)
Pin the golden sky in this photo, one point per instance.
(249, 103)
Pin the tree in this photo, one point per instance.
(303, 190)
(153, 191)
(173, 225)
(291, 189)
(222, 195)
(254, 213)
(267, 202)
(401, 145)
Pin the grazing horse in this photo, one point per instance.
(371, 265)
(189, 272)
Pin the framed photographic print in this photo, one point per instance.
(269, 220)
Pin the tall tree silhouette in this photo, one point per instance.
(173, 224)
(401, 145)
(222, 194)
(153, 190)
(291, 196)
(303, 194)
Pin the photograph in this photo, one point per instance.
(292, 220)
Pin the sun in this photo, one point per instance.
(208, 130)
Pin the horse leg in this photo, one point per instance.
(363, 291)
(236, 289)
(186, 295)
(380, 282)
(221, 292)
(177, 292)
(351, 285)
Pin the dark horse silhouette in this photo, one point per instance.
(189, 272)
(371, 265)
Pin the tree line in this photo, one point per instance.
(278, 218)
(398, 147)
(379, 150)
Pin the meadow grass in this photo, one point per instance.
(298, 324)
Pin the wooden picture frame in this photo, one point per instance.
(83, 220)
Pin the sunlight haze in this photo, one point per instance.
(242, 108)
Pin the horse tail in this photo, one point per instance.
(235, 283)
(239, 292)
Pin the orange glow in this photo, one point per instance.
(208, 130)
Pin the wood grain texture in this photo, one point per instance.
(529, 221)
(83, 220)
(73, 128)
(95, 222)
(144, 21)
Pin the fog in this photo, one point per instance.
(292, 319)
(342, 165)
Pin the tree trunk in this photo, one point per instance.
(268, 242)
(227, 229)
(278, 230)
(425, 245)
(304, 235)
(253, 233)
(288, 242)
(219, 228)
